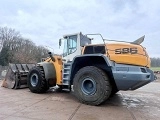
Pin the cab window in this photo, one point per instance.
(70, 45)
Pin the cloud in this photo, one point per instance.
(45, 22)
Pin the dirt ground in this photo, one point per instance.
(21, 104)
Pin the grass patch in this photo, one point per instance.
(155, 68)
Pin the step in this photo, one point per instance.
(65, 73)
(66, 68)
(67, 63)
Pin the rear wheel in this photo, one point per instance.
(36, 80)
(91, 85)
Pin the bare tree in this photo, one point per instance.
(17, 49)
(1, 44)
(8, 34)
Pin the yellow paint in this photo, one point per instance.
(58, 67)
(141, 58)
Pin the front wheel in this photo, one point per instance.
(91, 85)
(36, 80)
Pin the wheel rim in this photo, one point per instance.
(34, 80)
(88, 86)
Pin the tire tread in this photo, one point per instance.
(43, 87)
(105, 94)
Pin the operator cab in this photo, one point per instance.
(73, 44)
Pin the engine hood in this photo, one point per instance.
(128, 53)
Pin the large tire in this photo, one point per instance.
(36, 80)
(91, 86)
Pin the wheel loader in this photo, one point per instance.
(94, 72)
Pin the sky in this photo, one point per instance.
(46, 21)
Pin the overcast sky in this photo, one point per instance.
(45, 21)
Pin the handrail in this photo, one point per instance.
(103, 41)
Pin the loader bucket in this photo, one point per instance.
(16, 76)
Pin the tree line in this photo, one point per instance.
(155, 62)
(17, 49)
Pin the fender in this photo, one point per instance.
(98, 60)
(49, 70)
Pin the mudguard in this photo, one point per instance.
(49, 70)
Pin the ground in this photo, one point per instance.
(21, 104)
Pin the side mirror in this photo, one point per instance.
(60, 42)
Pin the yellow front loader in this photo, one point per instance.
(96, 71)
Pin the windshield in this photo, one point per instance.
(70, 45)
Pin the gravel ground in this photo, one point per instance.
(21, 104)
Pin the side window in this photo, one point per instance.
(99, 49)
(72, 44)
(94, 50)
(88, 50)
